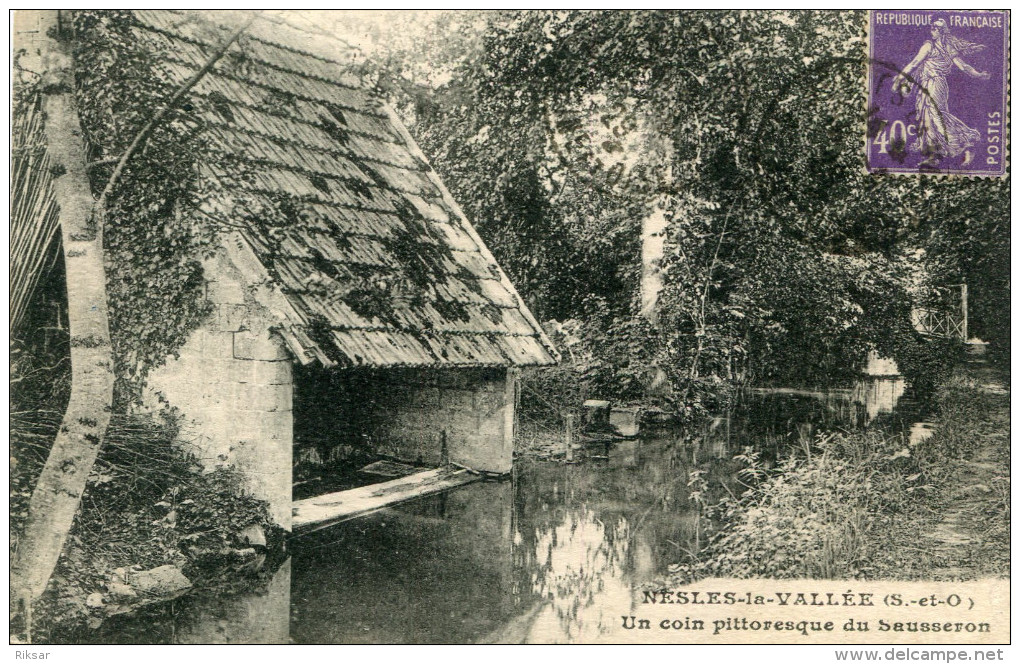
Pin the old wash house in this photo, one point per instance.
(370, 321)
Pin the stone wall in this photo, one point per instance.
(233, 385)
(462, 416)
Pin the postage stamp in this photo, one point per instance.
(938, 92)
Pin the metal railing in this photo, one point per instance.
(943, 322)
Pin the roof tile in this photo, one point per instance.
(297, 136)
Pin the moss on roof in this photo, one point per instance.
(376, 261)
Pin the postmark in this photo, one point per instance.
(938, 92)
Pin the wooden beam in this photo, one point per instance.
(332, 508)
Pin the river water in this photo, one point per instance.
(550, 555)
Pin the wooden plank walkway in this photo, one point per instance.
(331, 508)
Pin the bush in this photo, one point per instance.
(546, 393)
(813, 515)
(926, 362)
(606, 356)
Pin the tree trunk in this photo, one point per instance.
(58, 492)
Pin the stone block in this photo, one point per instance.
(224, 291)
(457, 379)
(448, 399)
(209, 371)
(455, 438)
(457, 400)
(187, 397)
(252, 397)
(487, 401)
(284, 399)
(237, 371)
(244, 346)
(277, 426)
(213, 425)
(400, 394)
(231, 318)
(481, 452)
(430, 440)
(189, 357)
(462, 421)
(491, 428)
(416, 378)
(425, 396)
(217, 345)
(419, 418)
(244, 426)
(413, 446)
(273, 373)
(267, 468)
(216, 396)
(259, 346)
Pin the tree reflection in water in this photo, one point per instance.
(551, 556)
(581, 577)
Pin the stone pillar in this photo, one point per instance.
(232, 384)
(491, 448)
(260, 421)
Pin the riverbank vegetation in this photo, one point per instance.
(151, 525)
(870, 504)
(148, 504)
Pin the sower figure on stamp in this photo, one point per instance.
(940, 134)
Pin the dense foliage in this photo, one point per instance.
(862, 504)
(967, 229)
(158, 227)
(560, 131)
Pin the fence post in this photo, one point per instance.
(963, 306)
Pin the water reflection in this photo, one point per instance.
(580, 561)
(550, 555)
(860, 405)
(254, 618)
(878, 396)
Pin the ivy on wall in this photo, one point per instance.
(156, 233)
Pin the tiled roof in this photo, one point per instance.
(377, 263)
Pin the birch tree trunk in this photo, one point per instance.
(77, 443)
(58, 492)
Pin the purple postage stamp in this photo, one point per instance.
(938, 92)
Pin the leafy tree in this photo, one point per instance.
(965, 229)
(744, 127)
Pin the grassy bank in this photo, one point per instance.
(868, 504)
